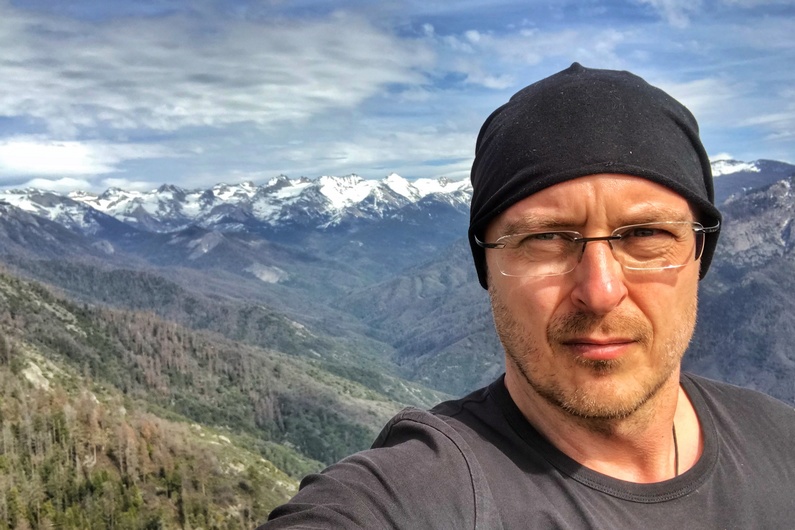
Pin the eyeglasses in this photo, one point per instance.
(640, 247)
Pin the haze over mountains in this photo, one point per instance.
(336, 300)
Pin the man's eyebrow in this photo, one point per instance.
(532, 223)
(649, 213)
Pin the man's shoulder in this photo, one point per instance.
(451, 419)
(741, 405)
(732, 393)
(411, 423)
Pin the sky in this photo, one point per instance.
(135, 94)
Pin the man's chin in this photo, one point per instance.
(602, 398)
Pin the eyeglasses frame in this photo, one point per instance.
(698, 228)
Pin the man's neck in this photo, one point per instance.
(655, 443)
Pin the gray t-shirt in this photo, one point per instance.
(477, 463)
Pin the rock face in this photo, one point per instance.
(761, 224)
(746, 329)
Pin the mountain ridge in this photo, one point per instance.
(326, 201)
(319, 203)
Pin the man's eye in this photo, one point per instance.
(647, 232)
(542, 241)
(543, 237)
(546, 236)
(643, 232)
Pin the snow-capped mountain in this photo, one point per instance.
(735, 176)
(389, 223)
(267, 231)
(26, 234)
(319, 203)
(729, 166)
(282, 230)
(69, 213)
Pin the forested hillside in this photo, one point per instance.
(120, 419)
(76, 458)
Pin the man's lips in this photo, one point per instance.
(601, 349)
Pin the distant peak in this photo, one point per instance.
(352, 178)
(729, 166)
(112, 192)
(401, 186)
(278, 183)
(169, 188)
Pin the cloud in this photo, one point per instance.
(34, 156)
(756, 3)
(772, 119)
(247, 88)
(779, 123)
(449, 152)
(23, 157)
(498, 60)
(707, 98)
(768, 33)
(60, 185)
(177, 71)
(675, 12)
(124, 184)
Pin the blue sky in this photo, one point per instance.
(101, 93)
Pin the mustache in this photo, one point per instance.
(564, 328)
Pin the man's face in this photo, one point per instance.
(600, 341)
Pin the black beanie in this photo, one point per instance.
(584, 121)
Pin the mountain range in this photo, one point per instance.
(281, 203)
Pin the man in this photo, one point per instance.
(592, 221)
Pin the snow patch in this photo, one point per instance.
(204, 244)
(342, 192)
(441, 185)
(267, 274)
(401, 186)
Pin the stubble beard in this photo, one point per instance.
(581, 403)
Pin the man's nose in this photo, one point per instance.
(599, 279)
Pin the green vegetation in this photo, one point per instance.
(72, 458)
(198, 304)
(120, 419)
(201, 375)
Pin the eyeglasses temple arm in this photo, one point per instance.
(709, 229)
(483, 244)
